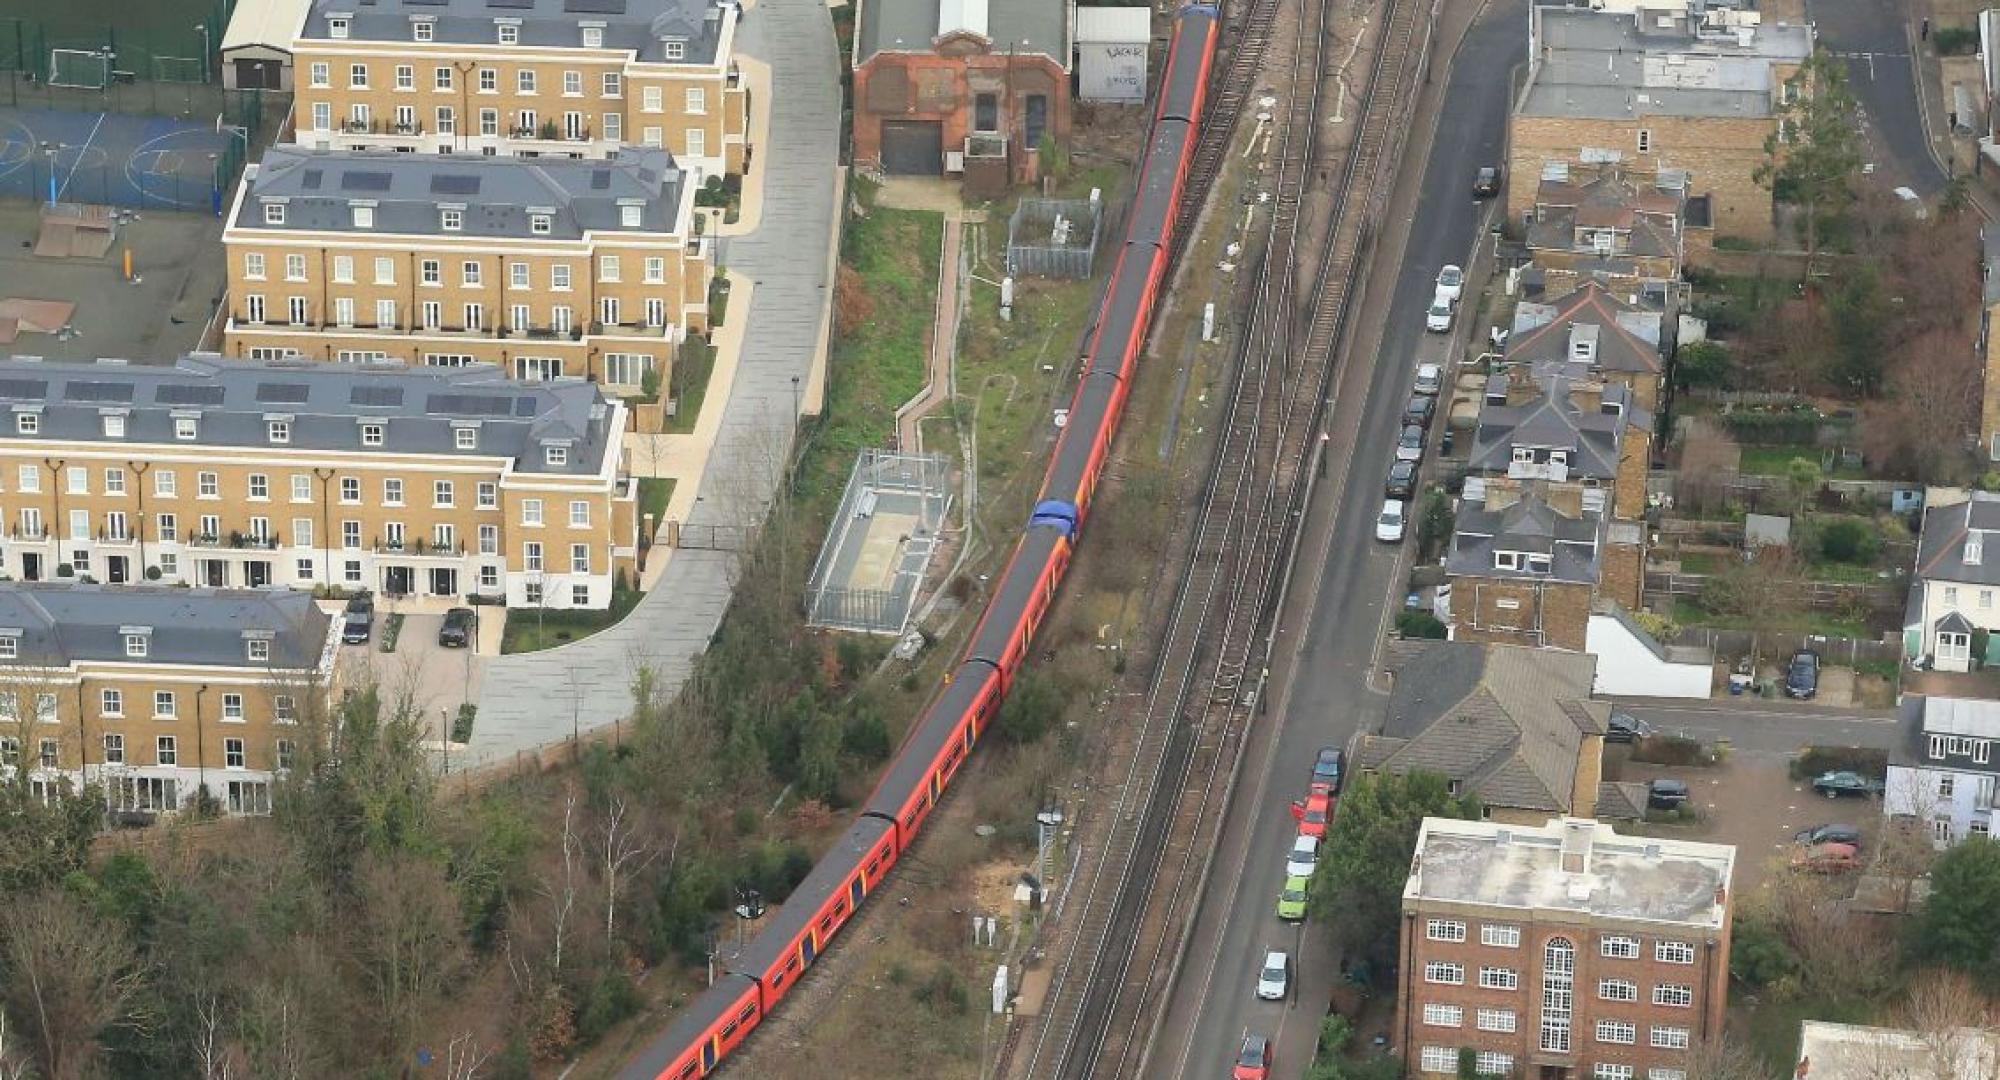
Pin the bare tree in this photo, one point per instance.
(1722, 1058)
(1949, 1016)
(561, 892)
(1837, 955)
(407, 942)
(212, 1052)
(463, 1059)
(13, 1066)
(1921, 428)
(65, 978)
(625, 852)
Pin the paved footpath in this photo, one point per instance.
(534, 699)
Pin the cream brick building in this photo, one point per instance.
(564, 78)
(1657, 91)
(156, 693)
(543, 268)
(452, 483)
(1563, 951)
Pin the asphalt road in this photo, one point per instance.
(1214, 1003)
(1767, 728)
(1869, 34)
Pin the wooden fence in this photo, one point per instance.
(1820, 595)
(1848, 652)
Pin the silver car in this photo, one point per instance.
(1410, 445)
(1304, 856)
(1430, 379)
(1276, 977)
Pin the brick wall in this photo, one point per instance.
(1513, 612)
(1989, 409)
(1720, 154)
(944, 86)
(1624, 566)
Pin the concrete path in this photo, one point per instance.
(944, 343)
(530, 700)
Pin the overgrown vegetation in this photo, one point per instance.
(1358, 884)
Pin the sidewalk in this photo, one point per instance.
(944, 343)
(525, 701)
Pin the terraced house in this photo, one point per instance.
(562, 78)
(543, 268)
(158, 694)
(452, 483)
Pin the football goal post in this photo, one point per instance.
(83, 68)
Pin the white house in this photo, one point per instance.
(1943, 771)
(1956, 590)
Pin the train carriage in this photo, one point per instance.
(939, 743)
(701, 1035)
(817, 909)
(1086, 439)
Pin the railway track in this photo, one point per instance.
(1136, 904)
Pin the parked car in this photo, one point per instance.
(1802, 676)
(1626, 728)
(1410, 444)
(1292, 898)
(1304, 856)
(1389, 526)
(1276, 976)
(1326, 771)
(1486, 182)
(1312, 813)
(1665, 794)
(1835, 784)
(1451, 283)
(1829, 834)
(456, 631)
(1430, 379)
(358, 621)
(1827, 859)
(1253, 1061)
(1402, 482)
(1437, 319)
(1419, 410)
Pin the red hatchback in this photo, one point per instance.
(1313, 815)
(1253, 1062)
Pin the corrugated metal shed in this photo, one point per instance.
(1112, 45)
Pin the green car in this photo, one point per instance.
(1292, 901)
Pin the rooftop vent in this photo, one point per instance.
(1578, 835)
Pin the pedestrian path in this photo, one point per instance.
(944, 343)
(534, 699)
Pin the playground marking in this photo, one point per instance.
(91, 138)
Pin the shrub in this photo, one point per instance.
(1822, 759)
(1704, 363)
(1672, 750)
(1848, 541)
(1955, 40)
(64, 570)
(1758, 954)
(1798, 427)
(1030, 710)
(1419, 624)
(606, 1001)
(865, 735)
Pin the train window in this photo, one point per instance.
(728, 1030)
(840, 907)
(826, 925)
(688, 1072)
(957, 751)
(911, 821)
(778, 979)
(793, 963)
(748, 1011)
(875, 865)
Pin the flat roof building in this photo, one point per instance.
(1830, 1051)
(452, 482)
(543, 267)
(1563, 946)
(158, 693)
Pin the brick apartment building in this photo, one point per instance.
(1605, 225)
(1694, 93)
(440, 482)
(557, 78)
(543, 268)
(158, 693)
(1561, 952)
(960, 86)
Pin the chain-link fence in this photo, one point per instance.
(1053, 237)
(880, 543)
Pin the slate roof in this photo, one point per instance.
(1530, 526)
(1628, 335)
(1941, 547)
(1620, 802)
(1554, 420)
(1606, 199)
(1506, 722)
(913, 26)
(1600, 65)
(636, 25)
(325, 404)
(497, 194)
(60, 624)
(1919, 716)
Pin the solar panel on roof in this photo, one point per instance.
(454, 184)
(187, 394)
(600, 179)
(375, 395)
(283, 393)
(364, 181)
(595, 7)
(32, 389)
(97, 391)
(515, 5)
(466, 404)
(526, 406)
(312, 178)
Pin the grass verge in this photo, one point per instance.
(655, 492)
(534, 629)
(392, 628)
(693, 365)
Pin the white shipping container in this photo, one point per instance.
(1112, 46)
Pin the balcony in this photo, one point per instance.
(413, 128)
(628, 330)
(358, 127)
(235, 540)
(546, 333)
(39, 536)
(420, 549)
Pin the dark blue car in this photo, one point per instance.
(1802, 677)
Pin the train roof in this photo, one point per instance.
(928, 738)
(829, 876)
(688, 1027)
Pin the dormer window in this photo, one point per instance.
(336, 26)
(257, 650)
(510, 31)
(114, 425)
(593, 37)
(280, 431)
(465, 438)
(28, 423)
(555, 455)
(676, 48)
(540, 224)
(371, 434)
(1524, 455)
(274, 213)
(1975, 543)
(364, 215)
(186, 428)
(422, 29)
(137, 641)
(1537, 564)
(451, 220)
(1506, 560)
(630, 216)
(10, 646)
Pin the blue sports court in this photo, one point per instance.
(114, 159)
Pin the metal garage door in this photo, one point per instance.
(913, 147)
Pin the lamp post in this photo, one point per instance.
(206, 44)
(52, 150)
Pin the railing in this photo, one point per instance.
(420, 549)
(413, 128)
(236, 541)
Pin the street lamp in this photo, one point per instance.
(205, 46)
(52, 150)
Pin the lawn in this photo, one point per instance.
(534, 629)
(1689, 613)
(694, 362)
(1774, 460)
(654, 494)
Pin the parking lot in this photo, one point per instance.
(434, 679)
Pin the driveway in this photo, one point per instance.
(435, 679)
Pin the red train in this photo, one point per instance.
(717, 1021)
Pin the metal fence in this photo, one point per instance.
(887, 522)
(1054, 237)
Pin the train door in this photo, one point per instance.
(806, 947)
(708, 1055)
(855, 893)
